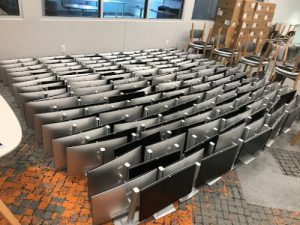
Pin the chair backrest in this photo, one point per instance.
(197, 33)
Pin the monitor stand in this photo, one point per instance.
(169, 209)
(287, 130)
(190, 195)
(246, 159)
(269, 144)
(124, 220)
(212, 182)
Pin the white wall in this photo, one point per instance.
(33, 35)
(287, 11)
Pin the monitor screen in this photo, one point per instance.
(165, 191)
(216, 165)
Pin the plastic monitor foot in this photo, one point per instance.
(212, 182)
(124, 220)
(169, 209)
(190, 195)
(246, 159)
(269, 144)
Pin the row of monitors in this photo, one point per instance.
(58, 130)
(160, 187)
(64, 65)
(60, 158)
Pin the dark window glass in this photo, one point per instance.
(123, 8)
(86, 8)
(205, 9)
(169, 9)
(9, 7)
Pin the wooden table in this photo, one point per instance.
(10, 138)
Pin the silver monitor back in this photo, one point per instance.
(98, 181)
(82, 158)
(114, 202)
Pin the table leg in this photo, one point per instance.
(7, 214)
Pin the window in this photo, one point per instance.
(9, 7)
(123, 8)
(205, 9)
(171, 9)
(157, 9)
(86, 8)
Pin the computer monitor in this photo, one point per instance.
(199, 134)
(187, 161)
(35, 107)
(164, 78)
(205, 145)
(284, 99)
(133, 112)
(227, 138)
(143, 141)
(123, 126)
(206, 72)
(213, 77)
(186, 76)
(235, 120)
(53, 117)
(81, 158)
(145, 99)
(165, 191)
(62, 129)
(232, 85)
(216, 165)
(162, 128)
(60, 144)
(201, 87)
(169, 85)
(214, 92)
(164, 147)
(118, 198)
(255, 143)
(144, 167)
(98, 181)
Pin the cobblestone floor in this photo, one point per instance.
(37, 194)
(288, 161)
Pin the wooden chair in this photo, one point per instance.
(287, 71)
(200, 45)
(221, 51)
(260, 60)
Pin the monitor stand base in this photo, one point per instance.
(190, 195)
(124, 220)
(246, 159)
(212, 182)
(169, 209)
(287, 130)
(269, 144)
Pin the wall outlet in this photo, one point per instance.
(167, 42)
(63, 48)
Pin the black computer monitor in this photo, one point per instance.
(144, 167)
(216, 165)
(144, 141)
(284, 99)
(165, 191)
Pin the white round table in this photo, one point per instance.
(10, 138)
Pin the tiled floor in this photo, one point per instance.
(37, 194)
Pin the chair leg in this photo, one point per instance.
(245, 67)
(250, 71)
(295, 83)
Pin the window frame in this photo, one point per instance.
(20, 16)
(206, 19)
(101, 17)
